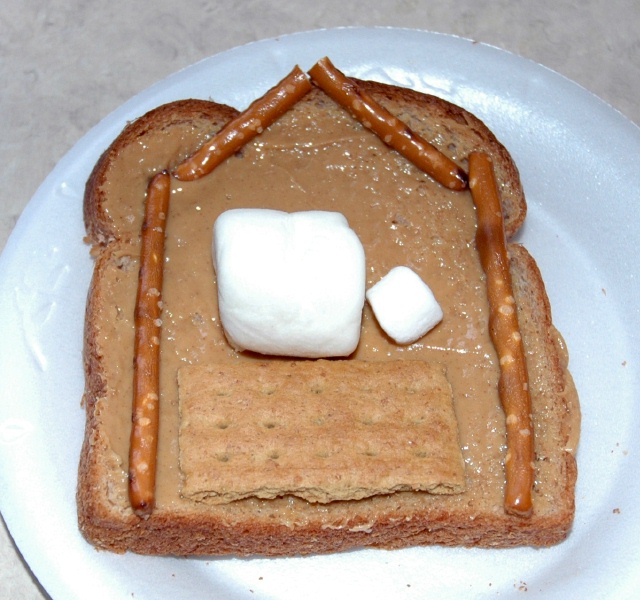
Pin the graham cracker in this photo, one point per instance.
(322, 430)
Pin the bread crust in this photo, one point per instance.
(98, 223)
(402, 102)
(405, 520)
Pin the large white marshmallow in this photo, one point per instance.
(404, 305)
(289, 284)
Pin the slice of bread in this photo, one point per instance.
(316, 157)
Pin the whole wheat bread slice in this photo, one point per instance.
(289, 525)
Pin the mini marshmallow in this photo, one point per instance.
(404, 305)
(289, 284)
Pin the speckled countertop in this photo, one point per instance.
(64, 65)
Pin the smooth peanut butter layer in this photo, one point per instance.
(315, 157)
(320, 430)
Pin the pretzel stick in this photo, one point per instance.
(390, 130)
(146, 367)
(513, 386)
(237, 132)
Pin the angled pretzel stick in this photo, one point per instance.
(391, 130)
(146, 367)
(505, 333)
(237, 132)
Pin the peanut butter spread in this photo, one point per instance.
(309, 159)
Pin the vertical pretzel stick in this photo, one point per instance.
(391, 130)
(239, 131)
(146, 368)
(513, 386)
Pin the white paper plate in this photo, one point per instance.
(579, 163)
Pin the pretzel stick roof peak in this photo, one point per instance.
(239, 131)
(513, 386)
(146, 367)
(392, 131)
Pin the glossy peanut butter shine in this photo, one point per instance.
(312, 158)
